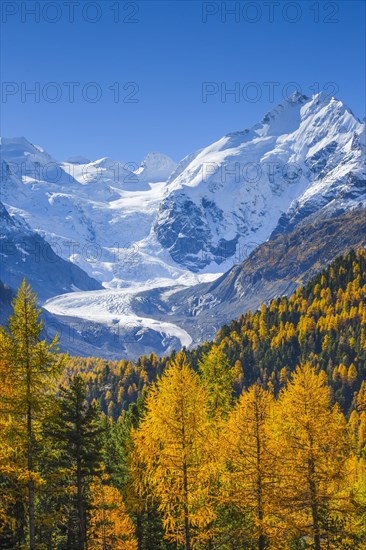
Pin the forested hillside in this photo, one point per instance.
(256, 440)
(323, 323)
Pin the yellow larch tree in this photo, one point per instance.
(248, 463)
(10, 469)
(313, 446)
(218, 377)
(351, 374)
(31, 366)
(173, 444)
(357, 474)
(109, 527)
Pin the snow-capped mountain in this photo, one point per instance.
(156, 167)
(223, 201)
(123, 225)
(31, 163)
(147, 233)
(97, 214)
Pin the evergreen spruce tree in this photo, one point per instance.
(218, 376)
(78, 434)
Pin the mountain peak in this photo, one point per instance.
(285, 116)
(298, 97)
(156, 167)
(16, 145)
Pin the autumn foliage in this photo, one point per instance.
(253, 441)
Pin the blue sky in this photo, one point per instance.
(161, 70)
